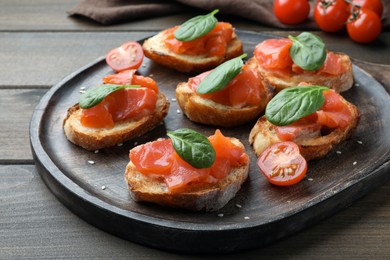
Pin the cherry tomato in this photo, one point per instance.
(331, 15)
(364, 25)
(282, 164)
(291, 11)
(374, 5)
(128, 56)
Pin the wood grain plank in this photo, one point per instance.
(47, 15)
(44, 58)
(35, 225)
(16, 108)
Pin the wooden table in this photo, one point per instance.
(40, 45)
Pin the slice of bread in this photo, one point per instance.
(206, 111)
(195, 196)
(339, 83)
(98, 138)
(263, 134)
(156, 50)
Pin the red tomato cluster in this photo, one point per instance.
(361, 18)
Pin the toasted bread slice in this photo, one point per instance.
(156, 50)
(206, 111)
(263, 135)
(195, 196)
(339, 83)
(98, 138)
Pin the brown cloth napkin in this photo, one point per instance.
(109, 12)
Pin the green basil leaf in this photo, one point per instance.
(291, 104)
(308, 51)
(94, 96)
(196, 27)
(221, 75)
(193, 147)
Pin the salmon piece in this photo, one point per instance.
(213, 43)
(306, 127)
(243, 90)
(97, 117)
(334, 113)
(274, 53)
(224, 148)
(332, 65)
(182, 173)
(120, 105)
(153, 157)
(128, 77)
(160, 158)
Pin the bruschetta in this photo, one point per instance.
(157, 173)
(133, 106)
(316, 133)
(194, 55)
(243, 99)
(278, 67)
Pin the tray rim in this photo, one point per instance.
(62, 181)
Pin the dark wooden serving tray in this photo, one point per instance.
(260, 213)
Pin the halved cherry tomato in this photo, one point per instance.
(128, 56)
(331, 15)
(282, 164)
(364, 25)
(291, 11)
(374, 5)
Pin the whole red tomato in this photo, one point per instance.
(331, 15)
(291, 11)
(364, 25)
(374, 5)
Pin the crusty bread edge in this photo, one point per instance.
(208, 112)
(263, 134)
(155, 49)
(195, 197)
(98, 138)
(339, 83)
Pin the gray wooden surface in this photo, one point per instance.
(40, 45)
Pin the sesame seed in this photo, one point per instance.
(82, 91)
(120, 144)
(246, 217)
(238, 206)
(178, 111)
(143, 65)
(357, 84)
(173, 99)
(103, 187)
(289, 201)
(310, 179)
(354, 163)
(82, 88)
(338, 152)
(151, 75)
(91, 162)
(96, 151)
(359, 142)
(135, 143)
(220, 215)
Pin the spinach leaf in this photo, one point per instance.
(308, 51)
(193, 147)
(291, 104)
(96, 95)
(196, 27)
(221, 75)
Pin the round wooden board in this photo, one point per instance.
(260, 213)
